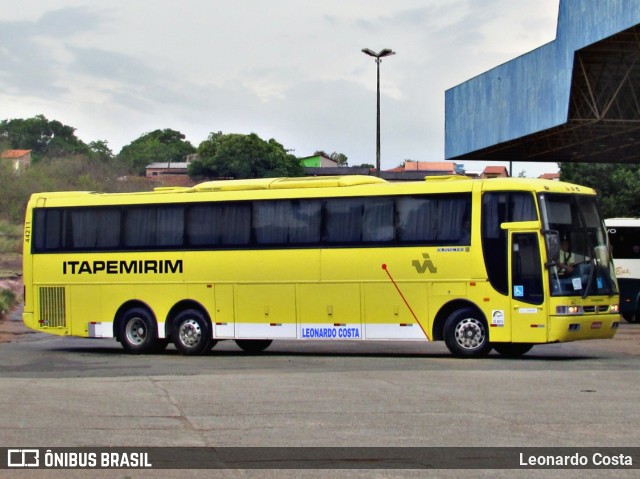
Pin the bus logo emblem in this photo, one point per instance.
(421, 268)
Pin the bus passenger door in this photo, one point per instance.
(528, 308)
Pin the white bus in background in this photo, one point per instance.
(624, 237)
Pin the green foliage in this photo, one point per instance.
(340, 158)
(63, 174)
(100, 149)
(10, 237)
(617, 184)
(243, 156)
(365, 165)
(7, 300)
(158, 146)
(45, 139)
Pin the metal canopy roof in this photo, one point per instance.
(604, 111)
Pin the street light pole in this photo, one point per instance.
(383, 53)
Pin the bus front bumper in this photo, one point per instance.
(574, 328)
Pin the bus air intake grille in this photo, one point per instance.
(52, 308)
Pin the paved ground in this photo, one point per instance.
(70, 392)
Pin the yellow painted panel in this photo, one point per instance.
(266, 304)
(384, 304)
(223, 318)
(85, 306)
(449, 289)
(329, 303)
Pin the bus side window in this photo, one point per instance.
(343, 220)
(377, 221)
(47, 229)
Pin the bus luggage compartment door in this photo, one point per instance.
(223, 320)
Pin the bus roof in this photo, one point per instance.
(316, 186)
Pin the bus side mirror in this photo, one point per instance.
(552, 242)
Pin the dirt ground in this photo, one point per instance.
(11, 327)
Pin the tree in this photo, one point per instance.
(100, 149)
(158, 146)
(617, 184)
(44, 138)
(243, 156)
(340, 158)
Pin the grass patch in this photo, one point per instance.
(7, 300)
(10, 237)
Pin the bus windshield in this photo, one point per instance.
(584, 267)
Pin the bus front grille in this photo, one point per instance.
(52, 308)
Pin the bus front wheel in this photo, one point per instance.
(253, 345)
(466, 334)
(191, 333)
(138, 332)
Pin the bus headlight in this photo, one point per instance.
(568, 310)
(615, 309)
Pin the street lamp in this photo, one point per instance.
(383, 53)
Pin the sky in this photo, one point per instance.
(291, 70)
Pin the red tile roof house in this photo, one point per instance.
(495, 172)
(550, 176)
(21, 158)
(440, 167)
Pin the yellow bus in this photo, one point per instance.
(476, 263)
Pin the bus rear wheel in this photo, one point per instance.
(138, 334)
(512, 350)
(253, 345)
(466, 334)
(191, 333)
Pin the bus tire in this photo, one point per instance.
(466, 334)
(138, 332)
(191, 333)
(629, 318)
(512, 350)
(253, 345)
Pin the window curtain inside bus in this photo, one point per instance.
(452, 214)
(343, 220)
(501, 207)
(414, 219)
(306, 222)
(219, 224)
(287, 222)
(377, 220)
(236, 224)
(271, 221)
(154, 227)
(205, 225)
(433, 220)
(170, 226)
(523, 207)
(95, 229)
